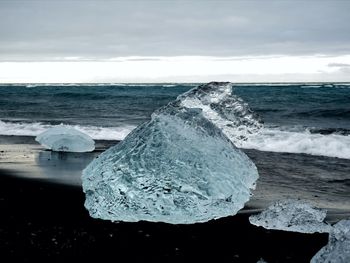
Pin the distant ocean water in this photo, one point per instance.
(298, 118)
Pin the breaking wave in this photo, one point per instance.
(38, 85)
(232, 115)
(268, 139)
(35, 128)
(274, 140)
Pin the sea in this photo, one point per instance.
(304, 145)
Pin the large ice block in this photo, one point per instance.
(177, 168)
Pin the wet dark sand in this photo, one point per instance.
(44, 219)
(48, 221)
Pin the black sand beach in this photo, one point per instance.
(48, 221)
(44, 219)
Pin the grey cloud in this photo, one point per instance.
(341, 68)
(104, 29)
(344, 70)
(340, 65)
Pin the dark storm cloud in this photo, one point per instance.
(104, 29)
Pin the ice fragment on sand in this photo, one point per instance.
(292, 215)
(338, 248)
(63, 139)
(177, 168)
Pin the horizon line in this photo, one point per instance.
(121, 83)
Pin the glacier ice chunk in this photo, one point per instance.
(292, 215)
(64, 139)
(178, 168)
(338, 248)
(226, 110)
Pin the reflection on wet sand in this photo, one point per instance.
(62, 166)
(22, 156)
(282, 175)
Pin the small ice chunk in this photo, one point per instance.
(292, 215)
(64, 139)
(338, 248)
(261, 261)
(178, 168)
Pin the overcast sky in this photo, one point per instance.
(90, 31)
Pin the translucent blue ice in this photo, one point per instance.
(178, 168)
(64, 139)
(292, 215)
(338, 248)
(227, 111)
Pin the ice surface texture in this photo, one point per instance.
(338, 248)
(227, 111)
(177, 168)
(292, 215)
(63, 139)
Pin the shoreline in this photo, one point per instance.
(44, 215)
(23, 158)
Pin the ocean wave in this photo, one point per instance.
(328, 85)
(35, 128)
(340, 181)
(268, 139)
(275, 140)
(309, 85)
(36, 85)
(324, 113)
(86, 95)
(328, 131)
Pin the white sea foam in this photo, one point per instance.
(166, 85)
(35, 128)
(273, 140)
